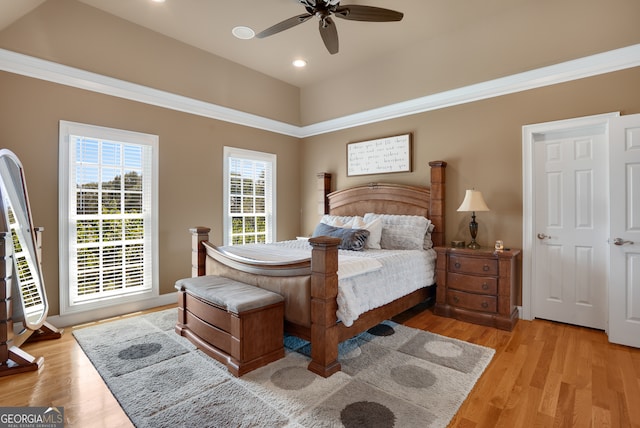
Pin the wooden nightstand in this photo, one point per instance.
(477, 286)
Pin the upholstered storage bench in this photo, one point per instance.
(237, 324)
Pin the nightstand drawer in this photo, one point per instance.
(477, 285)
(475, 302)
(474, 284)
(473, 265)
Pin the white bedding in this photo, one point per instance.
(348, 265)
(402, 272)
(366, 279)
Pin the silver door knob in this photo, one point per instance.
(620, 241)
(543, 236)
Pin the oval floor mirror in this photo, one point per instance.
(22, 294)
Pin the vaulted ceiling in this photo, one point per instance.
(442, 53)
(207, 25)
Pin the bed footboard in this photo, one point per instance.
(322, 271)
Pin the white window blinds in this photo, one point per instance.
(249, 196)
(110, 213)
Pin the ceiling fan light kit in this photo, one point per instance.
(324, 10)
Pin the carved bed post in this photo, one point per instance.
(198, 253)
(324, 291)
(324, 188)
(436, 201)
(198, 265)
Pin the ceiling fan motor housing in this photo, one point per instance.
(323, 10)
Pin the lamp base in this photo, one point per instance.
(473, 230)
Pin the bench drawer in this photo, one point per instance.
(206, 311)
(209, 333)
(243, 341)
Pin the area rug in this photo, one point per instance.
(391, 375)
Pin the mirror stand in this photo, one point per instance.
(23, 298)
(46, 332)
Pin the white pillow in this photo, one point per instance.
(428, 243)
(356, 222)
(375, 231)
(344, 221)
(401, 232)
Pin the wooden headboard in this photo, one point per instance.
(387, 198)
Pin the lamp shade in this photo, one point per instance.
(473, 201)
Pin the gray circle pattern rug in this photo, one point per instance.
(392, 376)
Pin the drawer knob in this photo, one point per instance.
(457, 265)
(485, 286)
(455, 299)
(485, 268)
(485, 305)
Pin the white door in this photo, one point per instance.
(624, 284)
(571, 225)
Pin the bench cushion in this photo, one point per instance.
(235, 296)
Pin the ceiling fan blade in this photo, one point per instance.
(329, 34)
(284, 25)
(367, 13)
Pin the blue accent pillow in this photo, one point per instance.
(352, 239)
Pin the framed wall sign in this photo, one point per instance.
(380, 156)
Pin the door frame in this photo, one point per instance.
(529, 133)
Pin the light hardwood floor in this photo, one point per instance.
(543, 374)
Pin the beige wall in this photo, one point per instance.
(77, 35)
(190, 170)
(482, 143)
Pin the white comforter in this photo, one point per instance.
(366, 279)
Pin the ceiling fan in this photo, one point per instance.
(323, 10)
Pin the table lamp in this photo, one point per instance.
(473, 201)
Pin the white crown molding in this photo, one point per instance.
(593, 65)
(57, 73)
(607, 62)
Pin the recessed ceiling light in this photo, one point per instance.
(299, 63)
(244, 33)
(158, 1)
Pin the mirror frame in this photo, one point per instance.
(15, 192)
(14, 360)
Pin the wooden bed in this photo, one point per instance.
(318, 274)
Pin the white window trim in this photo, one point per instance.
(253, 155)
(72, 128)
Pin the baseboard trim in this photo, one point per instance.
(112, 311)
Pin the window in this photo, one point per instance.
(249, 196)
(108, 216)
